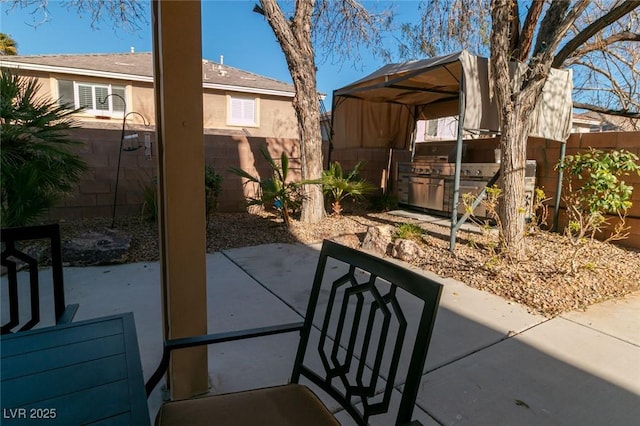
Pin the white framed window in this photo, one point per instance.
(93, 97)
(431, 128)
(242, 111)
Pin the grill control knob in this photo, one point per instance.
(479, 172)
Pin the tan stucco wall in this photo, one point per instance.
(43, 81)
(142, 95)
(276, 117)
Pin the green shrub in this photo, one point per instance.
(337, 186)
(409, 231)
(285, 196)
(593, 188)
(601, 190)
(36, 165)
(384, 202)
(150, 203)
(213, 188)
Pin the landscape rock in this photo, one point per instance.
(349, 240)
(407, 250)
(103, 247)
(379, 239)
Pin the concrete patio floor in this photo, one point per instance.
(490, 361)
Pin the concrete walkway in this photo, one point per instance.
(490, 361)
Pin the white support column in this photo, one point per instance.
(178, 87)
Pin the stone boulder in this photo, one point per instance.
(407, 250)
(379, 239)
(104, 247)
(349, 240)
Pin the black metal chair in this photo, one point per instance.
(361, 313)
(11, 256)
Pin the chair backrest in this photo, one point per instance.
(357, 343)
(10, 257)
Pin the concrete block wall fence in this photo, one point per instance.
(547, 153)
(94, 194)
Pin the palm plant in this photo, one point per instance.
(8, 45)
(36, 166)
(337, 186)
(285, 196)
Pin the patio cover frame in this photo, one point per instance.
(381, 109)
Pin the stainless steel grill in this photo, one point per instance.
(429, 184)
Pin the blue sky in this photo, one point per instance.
(229, 28)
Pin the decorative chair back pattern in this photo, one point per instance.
(11, 254)
(357, 320)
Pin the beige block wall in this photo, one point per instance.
(378, 170)
(94, 194)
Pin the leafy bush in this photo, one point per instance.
(593, 188)
(337, 186)
(150, 203)
(409, 231)
(36, 165)
(285, 196)
(384, 202)
(213, 188)
(602, 191)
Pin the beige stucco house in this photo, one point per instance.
(240, 111)
(234, 101)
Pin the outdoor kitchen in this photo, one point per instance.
(380, 111)
(427, 182)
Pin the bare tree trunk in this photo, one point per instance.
(513, 143)
(294, 37)
(516, 102)
(306, 104)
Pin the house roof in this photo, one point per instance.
(607, 122)
(139, 67)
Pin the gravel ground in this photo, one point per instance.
(544, 282)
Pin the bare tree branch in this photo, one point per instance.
(613, 15)
(126, 14)
(528, 29)
(601, 44)
(555, 24)
(514, 32)
(596, 108)
(341, 28)
(616, 88)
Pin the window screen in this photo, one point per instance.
(85, 97)
(102, 102)
(117, 103)
(431, 128)
(65, 93)
(242, 111)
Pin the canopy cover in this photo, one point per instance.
(380, 109)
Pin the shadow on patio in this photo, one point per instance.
(490, 362)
